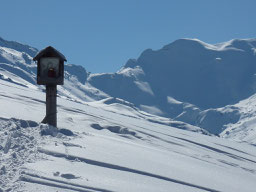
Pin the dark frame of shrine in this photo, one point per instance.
(56, 79)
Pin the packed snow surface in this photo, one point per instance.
(112, 147)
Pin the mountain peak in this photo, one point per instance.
(189, 43)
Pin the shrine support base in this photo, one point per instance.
(51, 105)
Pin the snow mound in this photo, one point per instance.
(18, 145)
(53, 131)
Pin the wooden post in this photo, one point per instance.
(51, 105)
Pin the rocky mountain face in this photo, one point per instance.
(187, 70)
(187, 80)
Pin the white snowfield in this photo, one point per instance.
(103, 147)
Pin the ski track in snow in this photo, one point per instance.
(33, 178)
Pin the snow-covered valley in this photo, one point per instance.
(109, 143)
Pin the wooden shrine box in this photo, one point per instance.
(50, 67)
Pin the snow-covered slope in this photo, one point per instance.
(243, 129)
(109, 145)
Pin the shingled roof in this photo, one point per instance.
(49, 52)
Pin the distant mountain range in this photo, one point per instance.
(209, 86)
(188, 80)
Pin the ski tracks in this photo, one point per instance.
(51, 182)
(122, 168)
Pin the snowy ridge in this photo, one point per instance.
(17, 66)
(18, 47)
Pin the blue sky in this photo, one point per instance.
(102, 35)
